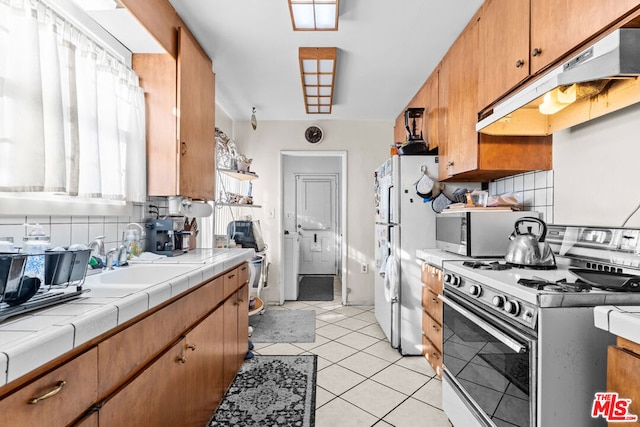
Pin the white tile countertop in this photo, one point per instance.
(436, 257)
(623, 321)
(113, 297)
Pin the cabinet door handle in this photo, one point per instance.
(435, 300)
(183, 148)
(52, 393)
(182, 359)
(191, 347)
(536, 52)
(450, 163)
(231, 276)
(435, 355)
(519, 63)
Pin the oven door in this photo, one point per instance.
(488, 364)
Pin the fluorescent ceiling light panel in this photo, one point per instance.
(314, 15)
(317, 72)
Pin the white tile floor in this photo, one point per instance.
(362, 381)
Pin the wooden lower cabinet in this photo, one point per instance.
(169, 367)
(204, 373)
(89, 421)
(185, 385)
(433, 355)
(623, 368)
(155, 398)
(230, 339)
(431, 278)
(76, 383)
(236, 331)
(243, 322)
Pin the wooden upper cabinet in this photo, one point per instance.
(557, 27)
(431, 110)
(458, 103)
(464, 154)
(427, 98)
(159, 18)
(503, 47)
(196, 98)
(399, 131)
(180, 104)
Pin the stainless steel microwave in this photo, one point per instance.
(476, 233)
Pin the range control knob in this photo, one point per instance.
(452, 279)
(498, 301)
(475, 290)
(512, 307)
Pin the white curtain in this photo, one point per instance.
(71, 114)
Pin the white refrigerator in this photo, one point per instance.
(404, 223)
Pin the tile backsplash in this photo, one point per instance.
(535, 188)
(67, 230)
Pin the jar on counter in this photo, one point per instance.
(6, 244)
(35, 243)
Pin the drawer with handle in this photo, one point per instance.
(57, 398)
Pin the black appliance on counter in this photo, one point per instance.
(165, 237)
(415, 141)
(247, 234)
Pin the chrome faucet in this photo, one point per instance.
(97, 244)
(119, 255)
(109, 260)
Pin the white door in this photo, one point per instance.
(316, 222)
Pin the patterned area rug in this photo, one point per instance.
(271, 391)
(284, 326)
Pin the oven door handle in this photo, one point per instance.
(506, 340)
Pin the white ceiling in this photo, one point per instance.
(386, 50)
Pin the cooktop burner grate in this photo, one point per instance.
(495, 265)
(559, 286)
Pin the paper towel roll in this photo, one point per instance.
(196, 209)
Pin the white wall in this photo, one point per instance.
(367, 145)
(223, 122)
(596, 170)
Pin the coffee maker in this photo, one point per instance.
(163, 238)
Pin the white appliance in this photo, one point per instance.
(404, 223)
(520, 347)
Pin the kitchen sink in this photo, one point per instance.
(139, 274)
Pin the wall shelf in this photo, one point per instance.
(238, 205)
(243, 176)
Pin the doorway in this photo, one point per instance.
(313, 240)
(317, 223)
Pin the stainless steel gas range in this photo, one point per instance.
(519, 345)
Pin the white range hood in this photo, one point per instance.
(599, 80)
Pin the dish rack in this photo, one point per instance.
(22, 292)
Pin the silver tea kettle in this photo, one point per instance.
(530, 249)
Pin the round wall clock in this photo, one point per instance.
(314, 134)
